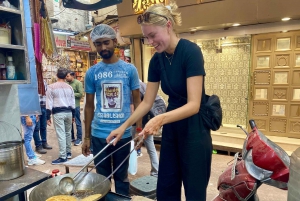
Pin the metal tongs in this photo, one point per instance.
(67, 184)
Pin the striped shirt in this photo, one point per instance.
(60, 98)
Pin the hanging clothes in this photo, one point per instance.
(47, 44)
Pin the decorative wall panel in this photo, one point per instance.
(263, 62)
(280, 93)
(261, 94)
(277, 125)
(281, 77)
(298, 42)
(227, 75)
(296, 77)
(262, 77)
(260, 108)
(295, 111)
(296, 94)
(278, 110)
(283, 44)
(261, 124)
(283, 60)
(297, 60)
(264, 45)
(283, 86)
(294, 127)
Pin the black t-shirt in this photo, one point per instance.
(187, 62)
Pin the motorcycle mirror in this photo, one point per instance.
(241, 127)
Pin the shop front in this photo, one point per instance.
(72, 54)
(230, 58)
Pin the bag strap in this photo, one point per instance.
(164, 73)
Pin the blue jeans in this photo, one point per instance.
(28, 133)
(78, 124)
(105, 168)
(40, 131)
(149, 144)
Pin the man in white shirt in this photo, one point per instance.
(61, 103)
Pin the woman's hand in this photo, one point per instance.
(138, 139)
(153, 126)
(118, 133)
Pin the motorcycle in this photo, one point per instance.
(261, 162)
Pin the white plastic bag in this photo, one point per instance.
(132, 169)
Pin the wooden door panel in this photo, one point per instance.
(261, 93)
(262, 77)
(262, 124)
(263, 61)
(297, 60)
(281, 77)
(295, 111)
(295, 94)
(275, 83)
(282, 60)
(294, 127)
(283, 44)
(264, 45)
(279, 110)
(278, 125)
(260, 108)
(297, 42)
(296, 77)
(279, 94)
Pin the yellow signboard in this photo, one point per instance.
(139, 6)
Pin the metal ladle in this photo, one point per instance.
(67, 184)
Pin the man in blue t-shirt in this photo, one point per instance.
(112, 81)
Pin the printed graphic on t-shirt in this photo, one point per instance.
(111, 97)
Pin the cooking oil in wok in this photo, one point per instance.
(79, 195)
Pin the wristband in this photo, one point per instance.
(138, 129)
(87, 138)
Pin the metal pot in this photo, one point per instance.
(91, 181)
(11, 160)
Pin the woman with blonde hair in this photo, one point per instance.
(186, 146)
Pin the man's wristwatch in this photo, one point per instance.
(138, 129)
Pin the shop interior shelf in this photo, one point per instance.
(8, 12)
(8, 46)
(20, 62)
(14, 3)
(4, 11)
(14, 82)
(16, 31)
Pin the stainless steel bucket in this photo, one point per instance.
(11, 160)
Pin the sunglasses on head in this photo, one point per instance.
(146, 17)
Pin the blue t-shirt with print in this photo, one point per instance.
(112, 84)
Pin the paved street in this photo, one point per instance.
(219, 163)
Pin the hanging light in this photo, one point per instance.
(286, 19)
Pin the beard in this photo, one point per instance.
(106, 54)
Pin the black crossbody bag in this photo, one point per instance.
(210, 109)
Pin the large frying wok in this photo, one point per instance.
(90, 182)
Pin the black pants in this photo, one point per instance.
(105, 168)
(185, 156)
